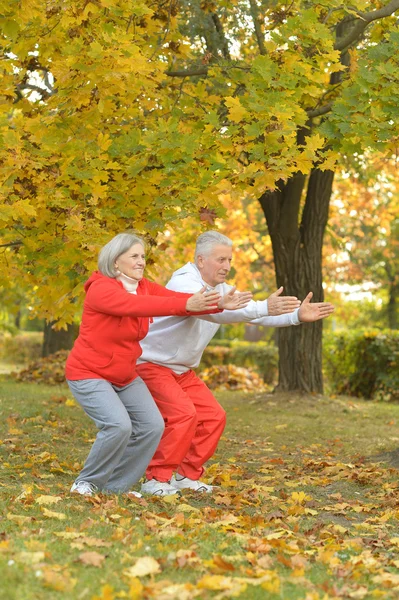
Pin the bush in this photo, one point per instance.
(261, 356)
(363, 363)
(20, 348)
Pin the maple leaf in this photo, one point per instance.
(236, 111)
(146, 565)
(45, 500)
(207, 215)
(93, 559)
(53, 515)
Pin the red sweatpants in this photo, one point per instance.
(194, 422)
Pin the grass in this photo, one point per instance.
(300, 511)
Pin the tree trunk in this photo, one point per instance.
(61, 339)
(297, 249)
(393, 307)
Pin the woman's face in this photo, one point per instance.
(132, 262)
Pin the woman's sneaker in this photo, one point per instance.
(191, 484)
(158, 488)
(133, 493)
(85, 488)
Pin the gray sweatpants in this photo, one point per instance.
(130, 428)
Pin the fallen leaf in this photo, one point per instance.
(146, 565)
(58, 581)
(53, 515)
(20, 519)
(93, 559)
(44, 500)
(30, 558)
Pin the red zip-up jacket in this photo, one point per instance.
(113, 323)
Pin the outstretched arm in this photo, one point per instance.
(280, 305)
(234, 300)
(276, 311)
(308, 313)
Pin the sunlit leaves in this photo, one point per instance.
(109, 141)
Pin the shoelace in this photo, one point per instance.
(86, 486)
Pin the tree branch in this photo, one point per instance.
(363, 21)
(317, 112)
(219, 28)
(258, 29)
(17, 243)
(188, 72)
(35, 88)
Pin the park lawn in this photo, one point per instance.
(300, 511)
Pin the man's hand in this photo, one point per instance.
(308, 313)
(279, 305)
(233, 300)
(202, 301)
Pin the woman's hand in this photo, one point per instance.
(233, 300)
(202, 301)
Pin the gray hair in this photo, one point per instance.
(111, 251)
(208, 240)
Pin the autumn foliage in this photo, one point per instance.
(104, 127)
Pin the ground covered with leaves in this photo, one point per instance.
(300, 511)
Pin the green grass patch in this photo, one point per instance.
(300, 512)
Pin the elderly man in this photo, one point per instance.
(194, 420)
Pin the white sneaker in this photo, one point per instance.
(158, 488)
(133, 493)
(85, 488)
(191, 484)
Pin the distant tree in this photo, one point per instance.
(364, 228)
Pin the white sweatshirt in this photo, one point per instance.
(178, 342)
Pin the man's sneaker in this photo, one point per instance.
(85, 488)
(191, 484)
(158, 488)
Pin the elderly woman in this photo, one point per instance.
(101, 367)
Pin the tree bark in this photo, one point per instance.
(393, 307)
(297, 249)
(62, 339)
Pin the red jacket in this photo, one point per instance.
(113, 323)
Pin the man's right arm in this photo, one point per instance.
(256, 312)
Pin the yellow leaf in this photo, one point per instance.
(20, 519)
(237, 112)
(188, 508)
(315, 142)
(69, 535)
(136, 589)
(58, 581)
(30, 558)
(107, 593)
(4, 546)
(299, 497)
(47, 500)
(215, 582)
(146, 565)
(53, 515)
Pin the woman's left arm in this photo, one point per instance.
(159, 290)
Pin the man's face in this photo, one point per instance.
(215, 266)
